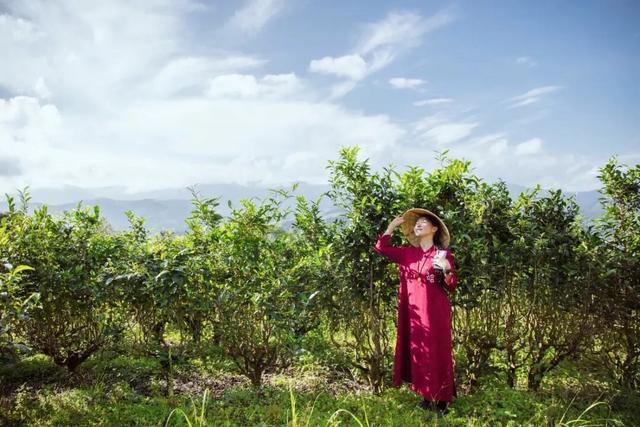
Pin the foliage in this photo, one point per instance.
(260, 292)
(265, 302)
(619, 259)
(361, 301)
(12, 308)
(68, 257)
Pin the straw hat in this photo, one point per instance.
(442, 236)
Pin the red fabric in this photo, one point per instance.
(424, 354)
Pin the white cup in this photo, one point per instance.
(438, 259)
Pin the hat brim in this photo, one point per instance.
(410, 218)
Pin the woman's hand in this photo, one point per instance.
(394, 224)
(448, 276)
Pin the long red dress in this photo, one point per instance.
(423, 354)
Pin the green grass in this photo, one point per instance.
(119, 390)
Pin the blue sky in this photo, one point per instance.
(166, 93)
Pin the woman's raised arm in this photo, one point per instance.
(384, 247)
(383, 244)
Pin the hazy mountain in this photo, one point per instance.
(166, 209)
(587, 200)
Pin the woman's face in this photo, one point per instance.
(424, 227)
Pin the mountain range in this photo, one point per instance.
(167, 209)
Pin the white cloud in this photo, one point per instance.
(399, 31)
(493, 157)
(192, 72)
(432, 101)
(405, 83)
(298, 158)
(91, 54)
(379, 44)
(102, 100)
(178, 142)
(532, 146)
(10, 166)
(255, 15)
(248, 86)
(18, 29)
(123, 104)
(532, 96)
(24, 119)
(498, 147)
(484, 140)
(447, 133)
(339, 90)
(350, 66)
(41, 89)
(396, 34)
(441, 130)
(27, 131)
(526, 60)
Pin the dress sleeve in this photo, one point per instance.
(452, 282)
(384, 247)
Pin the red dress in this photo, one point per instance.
(424, 354)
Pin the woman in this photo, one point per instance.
(423, 354)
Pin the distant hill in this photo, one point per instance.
(167, 209)
(164, 209)
(587, 200)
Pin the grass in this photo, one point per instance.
(120, 390)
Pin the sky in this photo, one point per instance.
(170, 93)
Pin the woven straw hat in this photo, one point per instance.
(441, 237)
